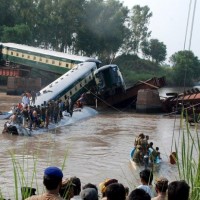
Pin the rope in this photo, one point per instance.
(102, 100)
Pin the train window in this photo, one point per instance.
(75, 88)
(47, 61)
(53, 62)
(56, 82)
(34, 58)
(67, 65)
(22, 55)
(70, 92)
(17, 54)
(89, 77)
(85, 81)
(40, 59)
(65, 97)
(11, 53)
(28, 56)
(60, 63)
(80, 85)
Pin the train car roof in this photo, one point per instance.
(105, 67)
(45, 51)
(71, 77)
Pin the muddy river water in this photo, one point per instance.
(95, 149)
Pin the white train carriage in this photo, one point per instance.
(71, 84)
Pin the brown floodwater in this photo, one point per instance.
(95, 149)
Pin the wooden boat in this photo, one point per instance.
(78, 114)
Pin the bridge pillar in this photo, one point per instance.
(148, 101)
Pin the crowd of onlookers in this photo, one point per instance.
(58, 188)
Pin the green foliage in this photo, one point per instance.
(7, 14)
(18, 34)
(134, 69)
(96, 28)
(154, 49)
(138, 26)
(186, 68)
(188, 157)
(102, 28)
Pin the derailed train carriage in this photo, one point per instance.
(38, 58)
(77, 81)
(109, 80)
(86, 76)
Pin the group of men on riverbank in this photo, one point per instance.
(110, 189)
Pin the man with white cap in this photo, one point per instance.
(52, 180)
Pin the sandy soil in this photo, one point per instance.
(6, 101)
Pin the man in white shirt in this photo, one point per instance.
(25, 100)
(146, 177)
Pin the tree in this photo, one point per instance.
(18, 34)
(186, 68)
(6, 13)
(102, 28)
(138, 26)
(154, 49)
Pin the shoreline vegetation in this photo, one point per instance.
(188, 157)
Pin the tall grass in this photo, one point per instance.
(26, 171)
(188, 156)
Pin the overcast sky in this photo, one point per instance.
(168, 23)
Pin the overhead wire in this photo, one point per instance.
(184, 47)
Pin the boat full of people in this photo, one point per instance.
(143, 154)
(33, 120)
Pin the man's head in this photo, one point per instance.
(146, 176)
(52, 179)
(66, 191)
(141, 135)
(139, 194)
(151, 144)
(178, 190)
(115, 191)
(90, 185)
(104, 185)
(157, 148)
(76, 185)
(89, 194)
(161, 184)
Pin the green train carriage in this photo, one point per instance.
(41, 59)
